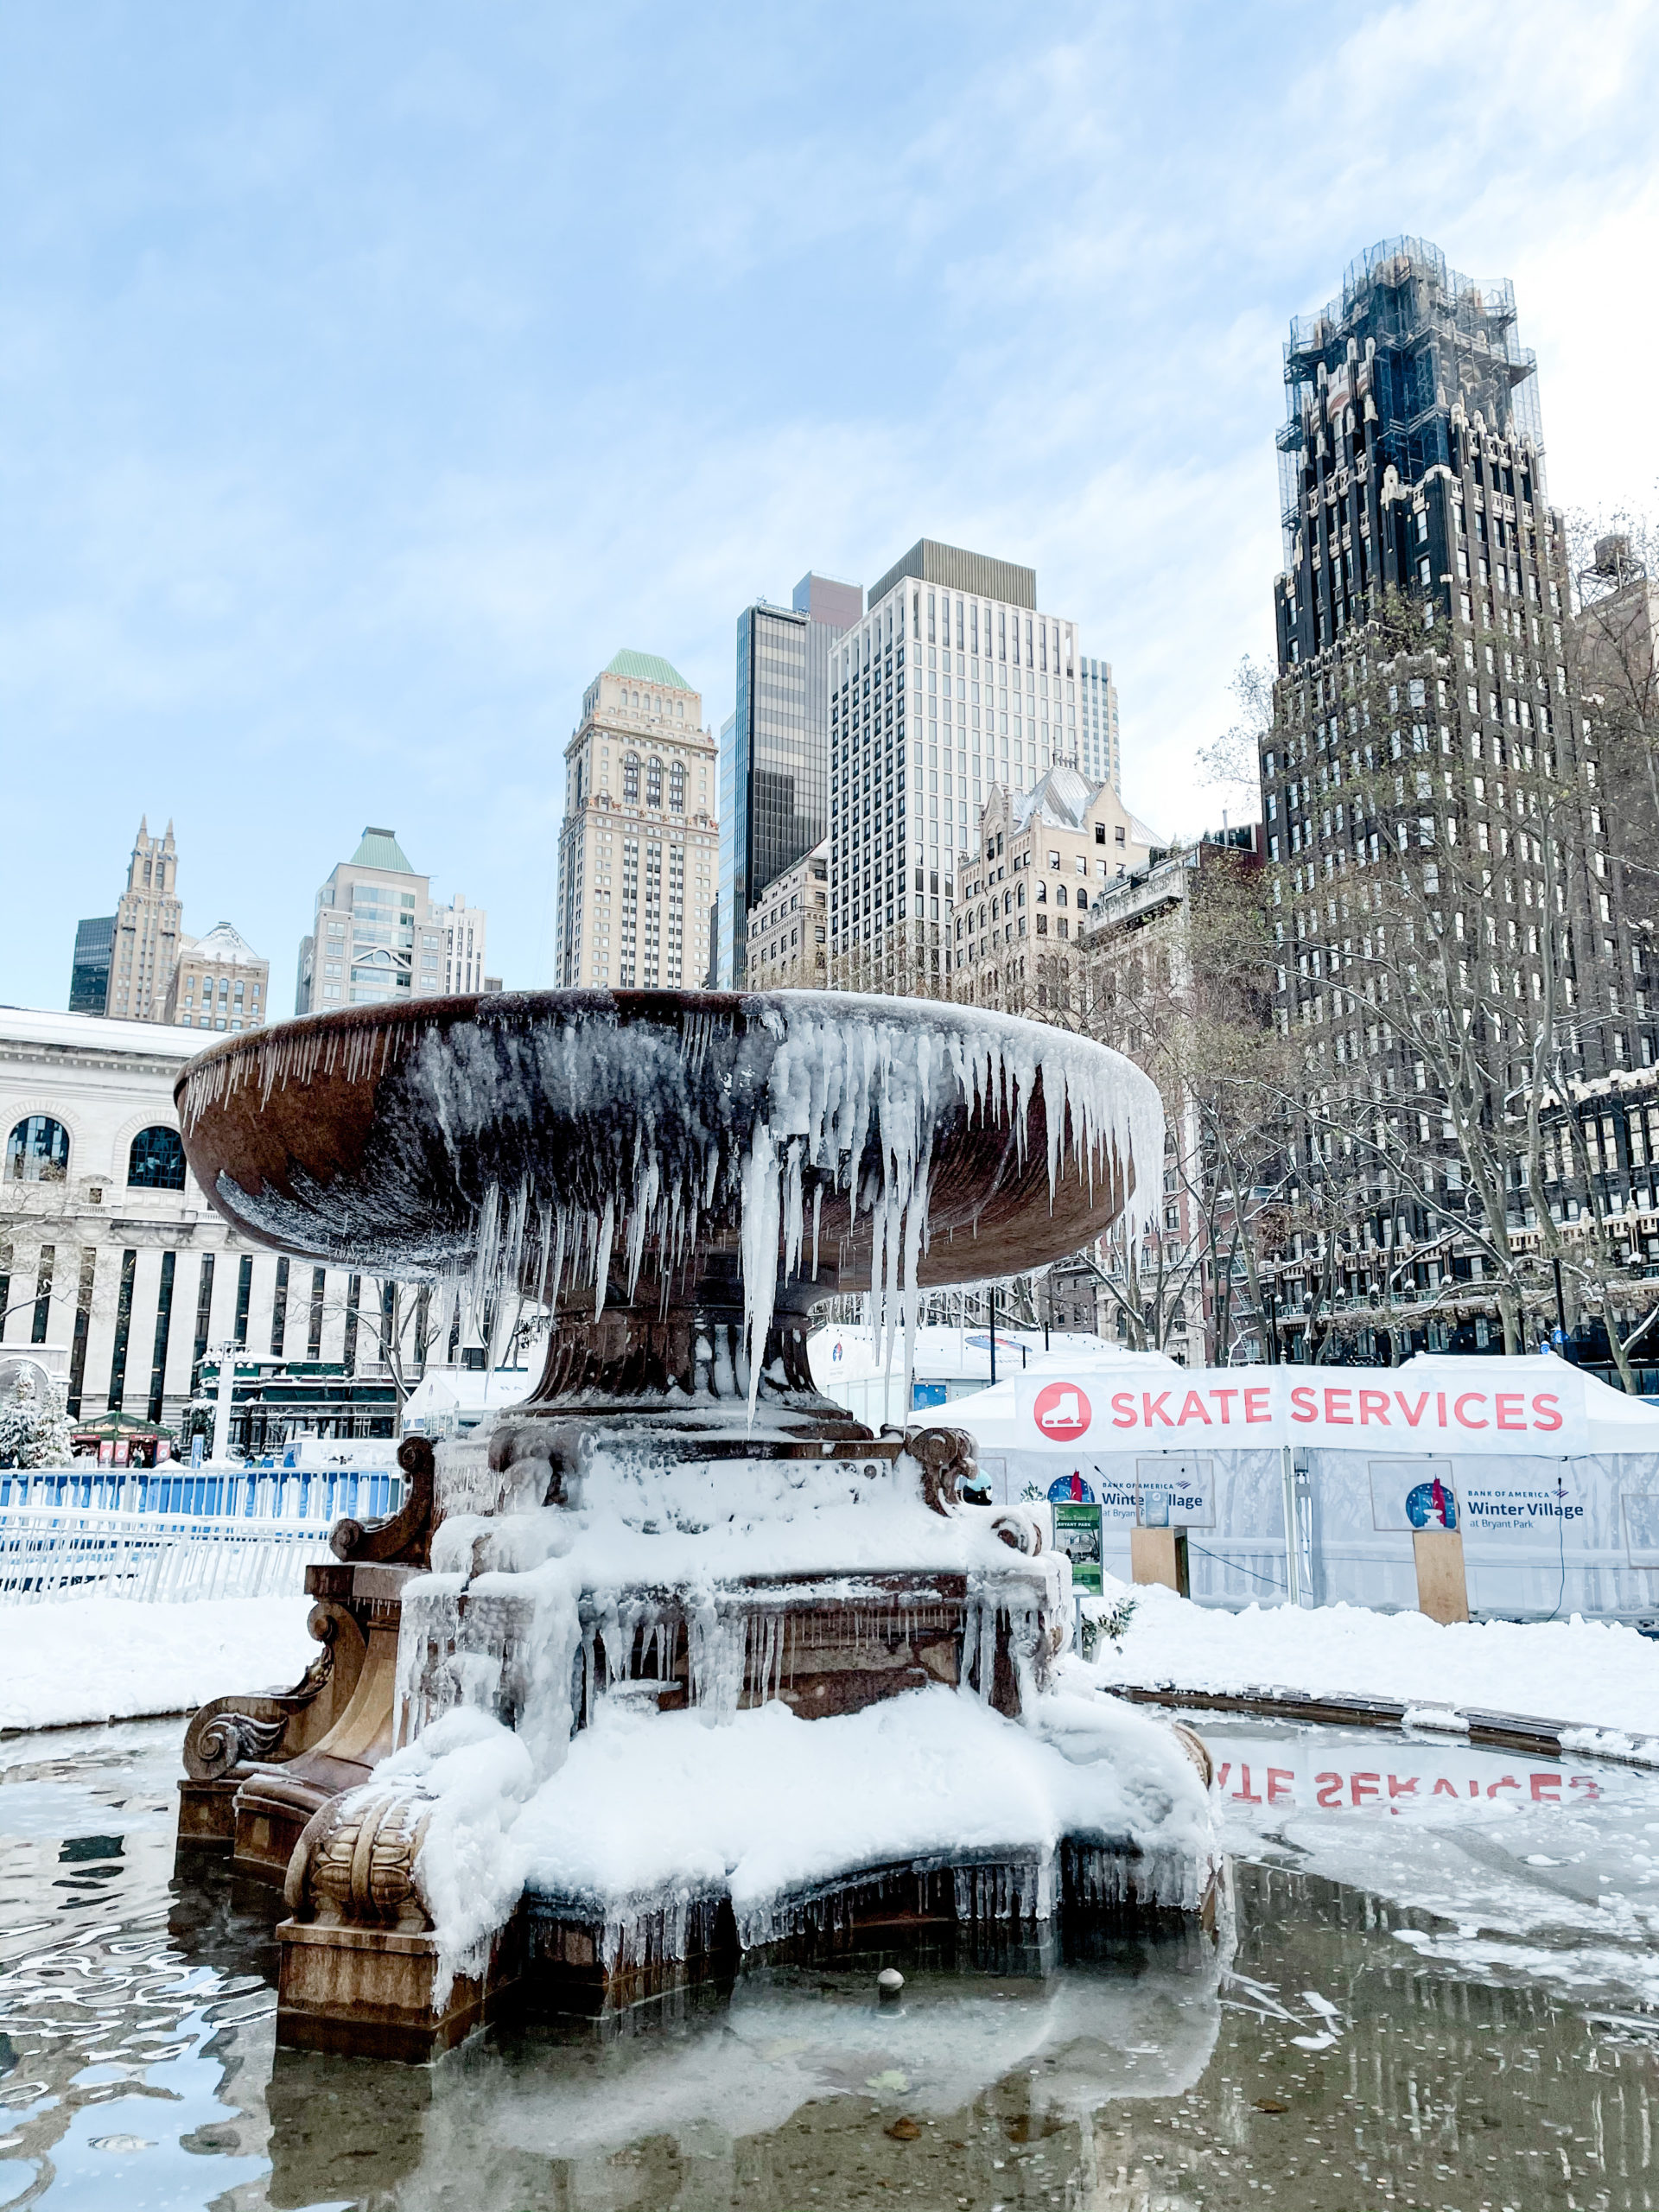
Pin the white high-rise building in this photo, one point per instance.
(1098, 757)
(638, 854)
(463, 945)
(953, 682)
(379, 937)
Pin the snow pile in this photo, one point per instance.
(116, 1659)
(653, 1810)
(1597, 1675)
(469, 1872)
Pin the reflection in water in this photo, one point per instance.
(1446, 2013)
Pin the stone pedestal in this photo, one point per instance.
(368, 1992)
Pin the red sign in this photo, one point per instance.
(1062, 1411)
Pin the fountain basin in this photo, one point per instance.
(680, 1175)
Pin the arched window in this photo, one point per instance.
(156, 1161)
(1083, 896)
(1059, 894)
(38, 1151)
(654, 783)
(677, 788)
(631, 779)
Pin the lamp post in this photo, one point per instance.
(222, 1402)
(1270, 1314)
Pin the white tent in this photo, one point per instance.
(1553, 1478)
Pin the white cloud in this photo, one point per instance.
(369, 390)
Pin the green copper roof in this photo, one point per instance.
(647, 668)
(380, 848)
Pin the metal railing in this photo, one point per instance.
(208, 1493)
(158, 1559)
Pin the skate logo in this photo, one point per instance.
(1062, 1410)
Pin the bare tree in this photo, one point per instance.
(1178, 973)
(1453, 982)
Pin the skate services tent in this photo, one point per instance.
(1552, 1477)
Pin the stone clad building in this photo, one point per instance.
(789, 930)
(220, 983)
(148, 922)
(1044, 858)
(637, 846)
(109, 1246)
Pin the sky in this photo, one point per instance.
(369, 375)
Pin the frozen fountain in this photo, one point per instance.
(556, 1734)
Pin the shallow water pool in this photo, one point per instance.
(1442, 1991)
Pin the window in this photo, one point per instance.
(38, 1151)
(631, 779)
(654, 783)
(155, 1162)
(1053, 859)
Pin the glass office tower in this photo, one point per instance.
(775, 753)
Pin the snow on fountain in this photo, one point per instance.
(665, 1663)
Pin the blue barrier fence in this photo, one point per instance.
(218, 1494)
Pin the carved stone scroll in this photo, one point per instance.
(404, 1538)
(354, 1863)
(275, 1725)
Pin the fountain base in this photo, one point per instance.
(383, 1993)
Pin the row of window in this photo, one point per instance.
(37, 1151)
(653, 784)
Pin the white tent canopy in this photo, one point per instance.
(1553, 1478)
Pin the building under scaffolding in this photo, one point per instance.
(1417, 338)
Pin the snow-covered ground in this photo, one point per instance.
(115, 1659)
(1594, 1674)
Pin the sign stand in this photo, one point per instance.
(1442, 1587)
(1159, 1555)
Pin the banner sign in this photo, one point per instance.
(1077, 1533)
(1413, 1494)
(1392, 1777)
(1463, 1405)
(1550, 1507)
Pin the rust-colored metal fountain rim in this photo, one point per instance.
(303, 1094)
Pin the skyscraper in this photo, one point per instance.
(1394, 391)
(378, 937)
(1431, 806)
(637, 849)
(89, 977)
(145, 948)
(1098, 756)
(774, 764)
(952, 681)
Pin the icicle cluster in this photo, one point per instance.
(860, 1087)
(578, 1142)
